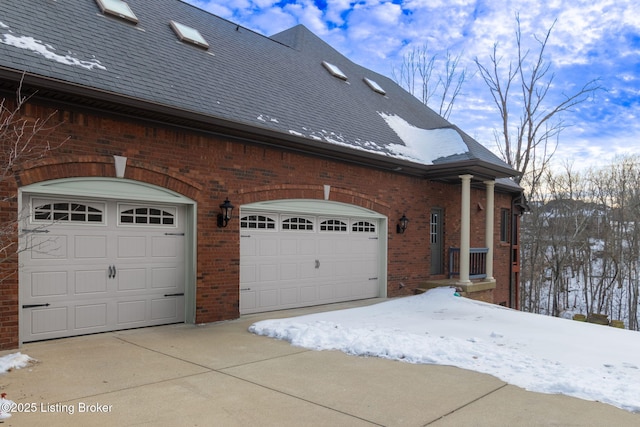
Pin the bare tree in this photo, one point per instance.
(22, 139)
(532, 115)
(619, 266)
(582, 251)
(528, 141)
(533, 253)
(416, 75)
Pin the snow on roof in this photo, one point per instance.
(424, 145)
(46, 50)
(420, 145)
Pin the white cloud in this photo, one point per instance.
(223, 11)
(335, 10)
(272, 21)
(385, 13)
(308, 14)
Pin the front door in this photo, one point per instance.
(435, 238)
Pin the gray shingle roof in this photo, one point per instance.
(275, 84)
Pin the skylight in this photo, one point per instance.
(375, 86)
(189, 34)
(117, 8)
(334, 70)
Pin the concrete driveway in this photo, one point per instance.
(221, 375)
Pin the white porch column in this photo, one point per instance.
(465, 228)
(489, 229)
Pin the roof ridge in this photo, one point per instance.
(292, 37)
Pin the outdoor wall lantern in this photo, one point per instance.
(402, 224)
(226, 209)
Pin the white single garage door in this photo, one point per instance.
(93, 265)
(292, 260)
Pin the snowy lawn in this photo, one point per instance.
(535, 352)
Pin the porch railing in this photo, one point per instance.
(477, 262)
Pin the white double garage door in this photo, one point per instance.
(295, 257)
(93, 265)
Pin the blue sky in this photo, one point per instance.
(595, 39)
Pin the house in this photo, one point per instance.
(161, 116)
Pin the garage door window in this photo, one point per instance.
(363, 227)
(147, 215)
(333, 225)
(257, 222)
(297, 224)
(62, 211)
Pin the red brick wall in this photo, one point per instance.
(8, 270)
(208, 168)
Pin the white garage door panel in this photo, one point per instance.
(293, 263)
(90, 247)
(325, 293)
(90, 282)
(289, 296)
(131, 279)
(131, 312)
(268, 298)
(163, 247)
(248, 300)
(48, 284)
(108, 273)
(268, 247)
(132, 247)
(51, 320)
(165, 278)
(248, 273)
(47, 246)
(308, 294)
(165, 308)
(90, 316)
(287, 247)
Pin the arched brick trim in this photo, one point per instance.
(103, 166)
(293, 191)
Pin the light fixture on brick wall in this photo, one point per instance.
(226, 209)
(402, 224)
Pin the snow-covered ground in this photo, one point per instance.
(535, 352)
(7, 363)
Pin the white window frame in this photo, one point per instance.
(118, 8)
(344, 221)
(334, 70)
(373, 85)
(310, 219)
(370, 224)
(39, 201)
(189, 34)
(273, 218)
(126, 206)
